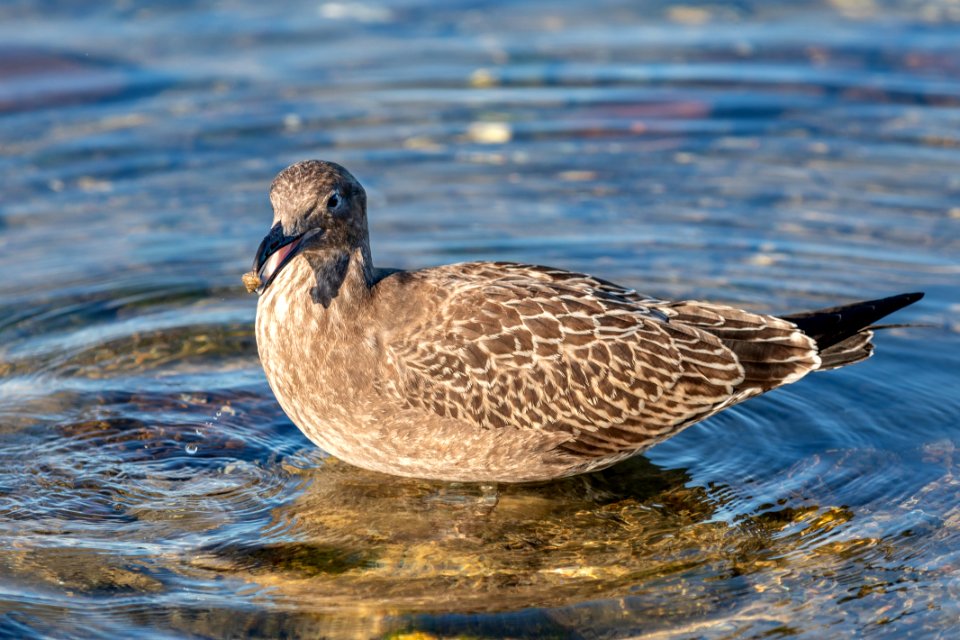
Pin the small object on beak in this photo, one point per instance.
(251, 281)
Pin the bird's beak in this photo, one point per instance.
(274, 252)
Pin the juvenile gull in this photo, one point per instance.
(497, 371)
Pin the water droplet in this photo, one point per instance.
(191, 448)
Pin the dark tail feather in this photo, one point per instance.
(840, 331)
(854, 349)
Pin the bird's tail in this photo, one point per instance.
(843, 334)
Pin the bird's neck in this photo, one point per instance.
(340, 274)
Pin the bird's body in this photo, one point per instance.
(500, 371)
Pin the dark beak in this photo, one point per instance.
(274, 252)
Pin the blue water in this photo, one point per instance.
(777, 156)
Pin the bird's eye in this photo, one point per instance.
(333, 201)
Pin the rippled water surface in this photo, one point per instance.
(773, 155)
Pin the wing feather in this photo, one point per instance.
(771, 350)
(513, 346)
(507, 345)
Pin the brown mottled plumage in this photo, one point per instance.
(494, 371)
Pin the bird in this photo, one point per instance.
(501, 372)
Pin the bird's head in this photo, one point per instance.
(316, 205)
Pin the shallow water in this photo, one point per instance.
(778, 156)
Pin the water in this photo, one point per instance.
(773, 155)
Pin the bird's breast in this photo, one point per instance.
(315, 356)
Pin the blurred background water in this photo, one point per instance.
(774, 155)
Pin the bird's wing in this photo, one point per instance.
(516, 346)
(772, 351)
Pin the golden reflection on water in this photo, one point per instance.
(635, 541)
